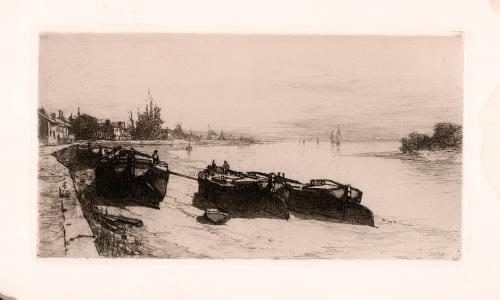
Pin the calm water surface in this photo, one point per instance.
(416, 201)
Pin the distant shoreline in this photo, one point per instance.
(177, 144)
(182, 143)
(228, 142)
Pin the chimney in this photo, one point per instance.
(61, 115)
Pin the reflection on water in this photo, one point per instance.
(421, 194)
(426, 187)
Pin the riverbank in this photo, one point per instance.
(63, 230)
(176, 144)
(107, 219)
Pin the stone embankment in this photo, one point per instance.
(63, 230)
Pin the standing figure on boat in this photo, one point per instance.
(214, 166)
(156, 157)
(131, 161)
(348, 191)
(225, 167)
(270, 182)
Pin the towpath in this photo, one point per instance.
(63, 231)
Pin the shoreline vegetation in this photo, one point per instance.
(446, 136)
(146, 127)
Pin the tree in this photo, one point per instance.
(85, 127)
(107, 130)
(148, 125)
(415, 141)
(447, 135)
(131, 119)
(221, 135)
(178, 132)
(211, 134)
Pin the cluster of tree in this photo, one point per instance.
(148, 124)
(178, 133)
(445, 136)
(212, 135)
(228, 137)
(246, 140)
(85, 127)
(146, 127)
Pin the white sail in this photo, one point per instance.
(338, 136)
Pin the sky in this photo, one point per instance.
(373, 87)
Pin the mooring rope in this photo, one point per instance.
(182, 175)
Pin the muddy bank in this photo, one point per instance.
(117, 232)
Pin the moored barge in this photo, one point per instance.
(324, 197)
(243, 194)
(131, 175)
(247, 192)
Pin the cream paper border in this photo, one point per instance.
(23, 276)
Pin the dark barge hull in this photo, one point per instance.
(118, 180)
(324, 204)
(252, 199)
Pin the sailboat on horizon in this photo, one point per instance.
(336, 137)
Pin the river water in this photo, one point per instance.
(416, 202)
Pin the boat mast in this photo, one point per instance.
(189, 148)
(338, 135)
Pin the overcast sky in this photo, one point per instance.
(261, 84)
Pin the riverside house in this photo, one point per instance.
(52, 129)
(120, 132)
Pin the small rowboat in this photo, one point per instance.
(216, 216)
(117, 220)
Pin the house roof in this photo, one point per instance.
(52, 120)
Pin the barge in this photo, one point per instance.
(328, 198)
(131, 175)
(257, 192)
(241, 194)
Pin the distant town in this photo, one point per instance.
(55, 129)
